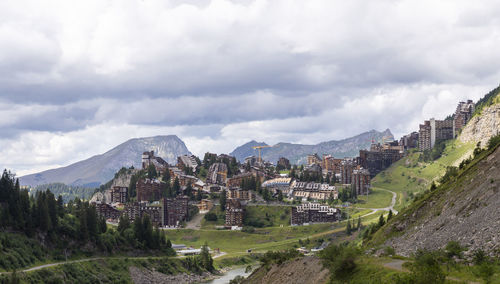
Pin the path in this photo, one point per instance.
(391, 207)
(195, 223)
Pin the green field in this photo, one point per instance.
(261, 240)
(378, 198)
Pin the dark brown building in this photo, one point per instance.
(175, 210)
(378, 160)
(284, 163)
(148, 189)
(139, 209)
(346, 168)
(234, 213)
(240, 194)
(361, 181)
(217, 174)
(308, 213)
(107, 211)
(119, 194)
(463, 113)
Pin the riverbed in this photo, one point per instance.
(230, 275)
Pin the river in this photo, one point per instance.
(230, 275)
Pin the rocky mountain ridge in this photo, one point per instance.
(297, 153)
(482, 127)
(101, 168)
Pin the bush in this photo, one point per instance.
(493, 142)
(453, 248)
(211, 217)
(341, 260)
(426, 268)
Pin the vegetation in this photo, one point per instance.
(69, 230)
(489, 99)
(110, 270)
(267, 216)
(65, 191)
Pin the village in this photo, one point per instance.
(172, 195)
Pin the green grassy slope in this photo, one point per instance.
(410, 176)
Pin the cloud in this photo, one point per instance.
(219, 73)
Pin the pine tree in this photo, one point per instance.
(123, 223)
(359, 224)
(223, 200)
(389, 216)
(348, 228)
(381, 221)
(60, 206)
(177, 186)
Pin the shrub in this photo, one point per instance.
(211, 216)
(341, 260)
(426, 268)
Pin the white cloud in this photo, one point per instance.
(219, 73)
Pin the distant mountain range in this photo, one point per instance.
(297, 153)
(101, 168)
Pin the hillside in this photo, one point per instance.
(300, 270)
(100, 168)
(410, 175)
(463, 209)
(297, 153)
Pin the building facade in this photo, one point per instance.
(119, 194)
(148, 189)
(463, 114)
(361, 181)
(308, 213)
(175, 210)
(235, 211)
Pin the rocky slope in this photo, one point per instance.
(465, 210)
(482, 127)
(297, 153)
(302, 270)
(101, 168)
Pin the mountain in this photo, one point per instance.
(101, 168)
(297, 153)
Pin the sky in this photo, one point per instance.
(80, 77)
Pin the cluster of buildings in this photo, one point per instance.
(432, 130)
(164, 212)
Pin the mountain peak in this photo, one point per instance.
(101, 168)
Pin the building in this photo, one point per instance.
(433, 131)
(148, 189)
(236, 180)
(361, 181)
(238, 193)
(148, 158)
(277, 184)
(380, 157)
(186, 161)
(308, 213)
(409, 141)
(140, 209)
(463, 114)
(107, 211)
(313, 159)
(175, 211)
(284, 163)
(346, 168)
(217, 174)
(119, 194)
(234, 213)
(252, 160)
(205, 205)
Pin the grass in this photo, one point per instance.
(378, 198)
(262, 239)
(268, 215)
